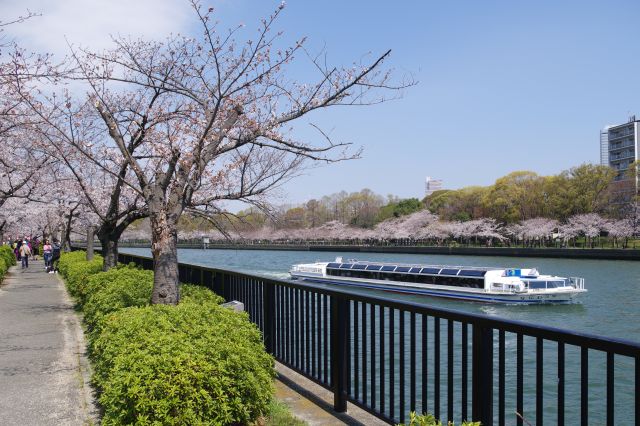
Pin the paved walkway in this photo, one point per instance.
(43, 370)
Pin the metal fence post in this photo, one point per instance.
(268, 315)
(218, 285)
(482, 375)
(339, 354)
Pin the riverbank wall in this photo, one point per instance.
(564, 253)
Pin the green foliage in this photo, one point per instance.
(279, 414)
(3, 268)
(7, 260)
(185, 364)
(7, 254)
(399, 208)
(68, 259)
(190, 293)
(523, 195)
(195, 363)
(115, 289)
(76, 271)
(429, 420)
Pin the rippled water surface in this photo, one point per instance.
(610, 309)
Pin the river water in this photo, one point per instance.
(610, 308)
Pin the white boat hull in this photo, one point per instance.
(477, 295)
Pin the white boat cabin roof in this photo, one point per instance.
(463, 271)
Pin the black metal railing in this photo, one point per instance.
(391, 357)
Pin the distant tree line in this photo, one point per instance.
(577, 207)
(516, 197)
(524, 195)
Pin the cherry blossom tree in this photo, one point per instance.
(408, 226)
(203, 120)
(620, 230)
(590, 225)
(531, 230)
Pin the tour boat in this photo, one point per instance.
(481, 284)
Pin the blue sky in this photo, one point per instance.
(503, 85)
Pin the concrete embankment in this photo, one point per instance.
(566, 253)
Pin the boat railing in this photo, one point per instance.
(577, 282)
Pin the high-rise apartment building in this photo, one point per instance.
(432, 185)
(619, 145)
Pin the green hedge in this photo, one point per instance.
(195, 363)
(76, 271)
(6, 252)
(188, 364)
(70, 258)
(7, 259)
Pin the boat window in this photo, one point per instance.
(449, 272)
(537, 284)
(415, 270)
(554, 284)
(374, 267)
(430, 270)
(333, 265)
(388, 268)
(402, 269)
(472, 273)
(359, 266)
(399, 277)
(346, 266)
(460, 282)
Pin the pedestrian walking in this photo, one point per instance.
(16, 250)
(55, 257)
(25, 252)
(47, 253)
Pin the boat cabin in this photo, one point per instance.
(470, 277)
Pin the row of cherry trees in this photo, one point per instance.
(156, 129)
(425, 228)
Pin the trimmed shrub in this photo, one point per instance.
(7, 260)
(125, 287)
(186, 364)
(191, 293)
(6, 252)
(3, 268)
(195, 363)
(115, 289)
(77, 272)
(68, 259)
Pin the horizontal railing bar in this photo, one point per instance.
(619, 346)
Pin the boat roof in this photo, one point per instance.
(469, 271)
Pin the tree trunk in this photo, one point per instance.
(66, 234)
(109, 252)
(90, 233)
(164, 247)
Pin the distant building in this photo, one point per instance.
(432, 185)
(604, 146)
(619, 145)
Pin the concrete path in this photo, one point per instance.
(43, 369)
